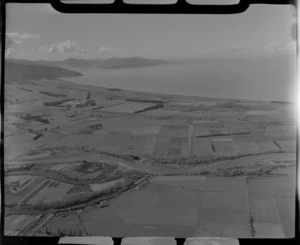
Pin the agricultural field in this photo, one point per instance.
(196, 206)
(15, 224)
(102, 186)
(34, 190)
(166, 165)
(129, 107)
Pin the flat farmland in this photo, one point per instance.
(272, 204)
(146, 130)
(161, 145)
(215, 131)
(199, 130)
(127, 122)
(287, 145)
(258, 187)
(167, 179)
(224, 145)
(16, 184)
(16, 223)
(70, 170)
(18, 144)
(266, 146)
(260, 137)
(223, 223)
(102, 186)
(133, 145)
(94, 140)
(71, 140)
(268, 230)
(85, 170)
(223, 184)
(11, 130)
(115, 138)
(54, 191)
(90, 175)
(104, 221)
(226, 130)
(180, 130)
(175, 142)
(239, 130)
(58, 167)
(194, 206)
(202, 147)
(128, 107)
(181, 199)
(186, 182)
(176, 146)
(265, 210)
(185, 148)
(36, 190)
(190, 200)
(162, 230)
(113, 141)
(50, 139)
(14, 198)
(149, 145)
(286, 208)
(226, 200)
(281, 132)
(69, 224)
(245, 146)
(159, 215)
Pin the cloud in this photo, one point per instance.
(287, 48)
(22, 36)
(64, 47)
(269, 49)
(9, 42)
(9, 52)
(105, 50)
(13, 39)
(9, 46)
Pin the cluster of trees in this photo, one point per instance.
(20, 168)
(256, 169)
(56, 103)
(38, 118)
(53, 94)
(206, 159)
(121, 156)
(157, 106)
(38, 135)
(96, 126)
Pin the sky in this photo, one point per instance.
(38, 32)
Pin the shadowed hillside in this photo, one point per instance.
(18, 71)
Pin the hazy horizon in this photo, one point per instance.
(31, 33)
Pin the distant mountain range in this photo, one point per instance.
(111, 63)
(17, 71)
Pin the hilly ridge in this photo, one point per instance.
(17, 71)
(111, 63)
